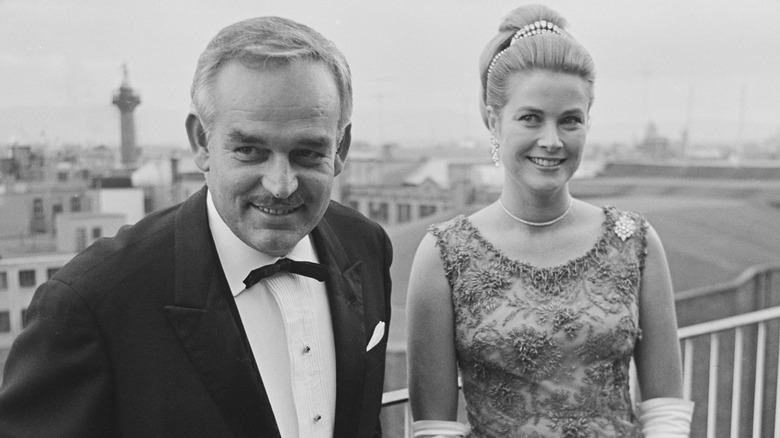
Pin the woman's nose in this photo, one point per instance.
(550, 139)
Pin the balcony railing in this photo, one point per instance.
(730, 366)
(748, 364)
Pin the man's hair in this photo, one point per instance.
(260, 42)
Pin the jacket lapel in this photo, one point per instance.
(202, 315)
(345, 297)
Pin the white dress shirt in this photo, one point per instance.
(287, 321)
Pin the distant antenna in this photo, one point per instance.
(741, 126)
(380, 117)
(646, 93)
(688, 122)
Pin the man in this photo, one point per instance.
(155, 332)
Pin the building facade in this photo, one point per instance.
(19, 277)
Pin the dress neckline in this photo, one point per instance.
(597, 248)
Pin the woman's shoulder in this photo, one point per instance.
(458, 222)
(617, 212)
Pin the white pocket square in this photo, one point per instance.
(379, 333)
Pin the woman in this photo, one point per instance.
(541, 300)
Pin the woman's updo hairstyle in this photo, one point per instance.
(550, 50)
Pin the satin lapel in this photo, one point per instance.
(202, 318)
(345, 296)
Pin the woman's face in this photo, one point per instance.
(541, 129)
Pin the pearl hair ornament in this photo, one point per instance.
(535, 28)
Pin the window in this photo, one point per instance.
(81, 239)
(354, 205)
(3, 280)
(404, 213)
(50, 272)
(27, 278)
(24, 318)
(378, 211)
(5, 321)
(148, 204)
(97, 232)
(62, 176)
(38, 208)
(56, 208)
(427, 210)
(75, 204)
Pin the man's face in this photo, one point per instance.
(272, 150)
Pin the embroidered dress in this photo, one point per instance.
(544, 352)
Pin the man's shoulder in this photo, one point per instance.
(340, 216)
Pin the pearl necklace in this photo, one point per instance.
(535, 224)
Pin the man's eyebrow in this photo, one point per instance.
(310, 141)
(314, 142)
(242, 137)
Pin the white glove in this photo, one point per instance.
(665, 417)
(437, 428)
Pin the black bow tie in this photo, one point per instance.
(314, 270)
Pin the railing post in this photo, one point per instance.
(687, 369)
(758, 391)
(408, 421)
(777, 396)
(736, 392)
(712, 391)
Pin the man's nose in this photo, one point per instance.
(280, 178)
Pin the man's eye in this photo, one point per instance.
(309, 156)
(247, 152)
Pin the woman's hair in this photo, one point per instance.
(258, 42)
(547, 50)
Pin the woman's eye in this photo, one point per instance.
(530, 118)
(572, 120)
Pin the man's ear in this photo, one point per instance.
(343, 150)
(198, 142)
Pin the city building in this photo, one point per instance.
(19, 277)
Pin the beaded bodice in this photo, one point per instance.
(545, 352)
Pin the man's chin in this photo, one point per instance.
(276, 242)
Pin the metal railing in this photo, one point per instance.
(744, 367)
(730, 365)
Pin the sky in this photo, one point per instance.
(712, 67)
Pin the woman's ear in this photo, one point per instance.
(493, 120)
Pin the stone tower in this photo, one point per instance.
(126, 99)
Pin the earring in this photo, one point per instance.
(494, 150)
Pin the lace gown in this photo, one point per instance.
(544, 352)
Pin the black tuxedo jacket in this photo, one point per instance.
(138, 336)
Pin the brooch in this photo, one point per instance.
(624, 227)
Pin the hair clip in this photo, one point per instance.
(535, 28)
